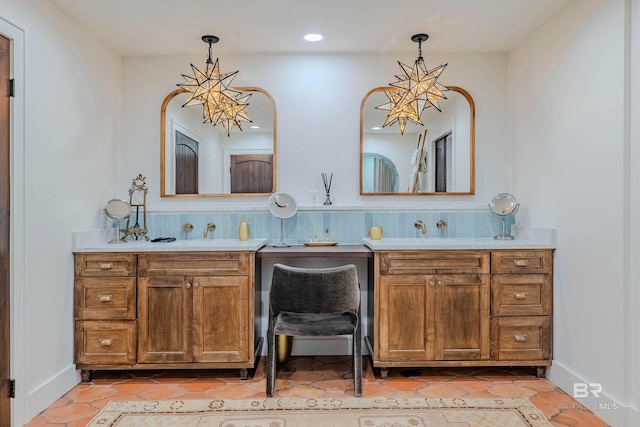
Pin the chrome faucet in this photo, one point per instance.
(419, 224)
(210, 227)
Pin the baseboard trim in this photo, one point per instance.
(611, 410)
(49, 391)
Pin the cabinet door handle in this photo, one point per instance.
(106, 266)
(195, 285)
(439, 283)
(520, 262)
(106, 342)
(520, 295)
(520, 338)
(431, 283)
(105, 298)
(188, 285)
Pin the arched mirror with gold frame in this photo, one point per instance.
(200, 160)
(410, 164)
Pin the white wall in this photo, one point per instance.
(567, 116)
(71, 125)
(318, 105)
(561, 140)
(632, 154)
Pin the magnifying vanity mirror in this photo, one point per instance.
(410, 164)
(200, 160)
(117, 210)
(503, 206)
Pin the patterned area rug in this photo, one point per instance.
(292, 412)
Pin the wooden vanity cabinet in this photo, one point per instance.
(431, 306)
(521, 306)
(105, 309)
(166, 310)
(194, 307)
(461, 308)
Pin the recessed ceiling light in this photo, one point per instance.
(313, 37)
(376, 128)
(255, 127)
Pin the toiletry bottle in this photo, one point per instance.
(243, 229)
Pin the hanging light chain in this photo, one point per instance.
(419, 58)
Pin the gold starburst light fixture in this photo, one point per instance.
(221, 104)
(415, 90)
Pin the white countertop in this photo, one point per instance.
(201, 245)
(453, 243)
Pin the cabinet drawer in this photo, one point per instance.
(521, 294)
(521, 338)
(105, 298)
(105, 265)
(434, 262)
(194, 264)
(521, 262)
(105, 342)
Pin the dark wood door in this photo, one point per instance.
(251, 173)
(186, 165)
(5, 404)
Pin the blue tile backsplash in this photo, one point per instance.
(344, 227)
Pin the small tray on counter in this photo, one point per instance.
(320, 243)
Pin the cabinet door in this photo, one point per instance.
(462, 316)
(404, 329)
(164, 320)
(221, 319)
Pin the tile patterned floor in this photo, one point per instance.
(313, 377)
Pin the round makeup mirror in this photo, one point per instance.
(282, 205)
(503, 206)
(117, 210)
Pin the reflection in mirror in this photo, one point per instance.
(440, 163)
(198, 159)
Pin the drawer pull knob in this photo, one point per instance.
(439, 283)
(105, 298)
(431, 283)
(520, 262)
(106, 266)
(520, 338)
(106, 342)
(520, 295)
(195, 285)
(188, 285)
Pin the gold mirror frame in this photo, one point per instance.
(163, 135)
(472, 126)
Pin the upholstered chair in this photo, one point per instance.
(314, 302)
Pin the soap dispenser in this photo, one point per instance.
(243, 229)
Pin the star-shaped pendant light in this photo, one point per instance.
(220, 103)
(417, 89)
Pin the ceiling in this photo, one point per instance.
(175, 27)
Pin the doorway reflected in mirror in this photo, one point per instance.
(435, 159)
(200, 160)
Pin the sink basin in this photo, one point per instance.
(398, 243)
(205, 244)
(180, 245)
